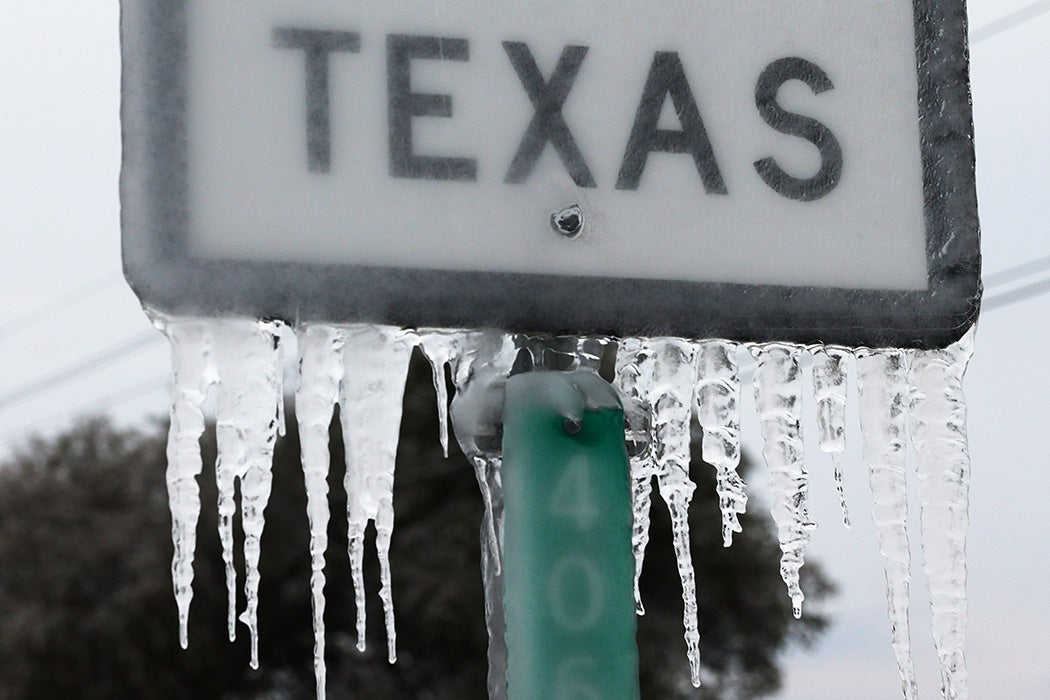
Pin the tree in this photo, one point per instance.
(86, 608)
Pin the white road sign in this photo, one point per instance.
(762, 169)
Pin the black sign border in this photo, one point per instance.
(153, 187)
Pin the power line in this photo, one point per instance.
(84, 366)
(1012, 274)
(1015, 296)
(117, 398)
(1008, 22)
(45, 310)
(134, 391)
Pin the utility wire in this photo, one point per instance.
(1012, 274)
(117, 398)
(1015, 296)
(77, 369)
(1008, 22)
(134, 391)
(45, 310)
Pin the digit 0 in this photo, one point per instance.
(576, 593)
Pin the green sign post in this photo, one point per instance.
(569, 570)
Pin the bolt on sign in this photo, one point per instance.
(755, 170)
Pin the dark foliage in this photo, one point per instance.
(86, 609)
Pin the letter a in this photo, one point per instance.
(667, 77)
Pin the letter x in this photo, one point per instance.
(547, 123)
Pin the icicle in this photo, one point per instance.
(882, 380)
(676, 488)
(492, 578)
(376, 366)
(829, 390)
(192, 374)
(629, 357)
(717, 399)
(778, 397)
(495, 623)
(229, 464)
(480, 362)
(320, 374)
(249, 364)
(642, 473)
(662, 372)
(483, 466)
(439, 347)
(674, 378)
(938, 428)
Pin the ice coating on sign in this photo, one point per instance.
(460, 348)
(662, 372)
(778, 397)
(829, 391)
(363, 368)
(192, 374)
(717, 399)
(320, 375)
(938, 428)
(882, 380)
(375, 359)
(480, 362)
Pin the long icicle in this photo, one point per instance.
(480, 361)
(192, 374)
(717, 402)
(376, 366)
(882, 380)
(662, 372)
(249, 363)
(674, 377)
(778, 397)
(938, 428)
(320, 374)
(229, 464)
(460, 349)
(829, 391)
(643, 465)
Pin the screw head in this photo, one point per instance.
(568, 222)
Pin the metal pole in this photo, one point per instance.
(568, 566)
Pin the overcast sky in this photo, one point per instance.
(60, 150)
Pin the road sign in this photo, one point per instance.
(753, 170)
(568, 596)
